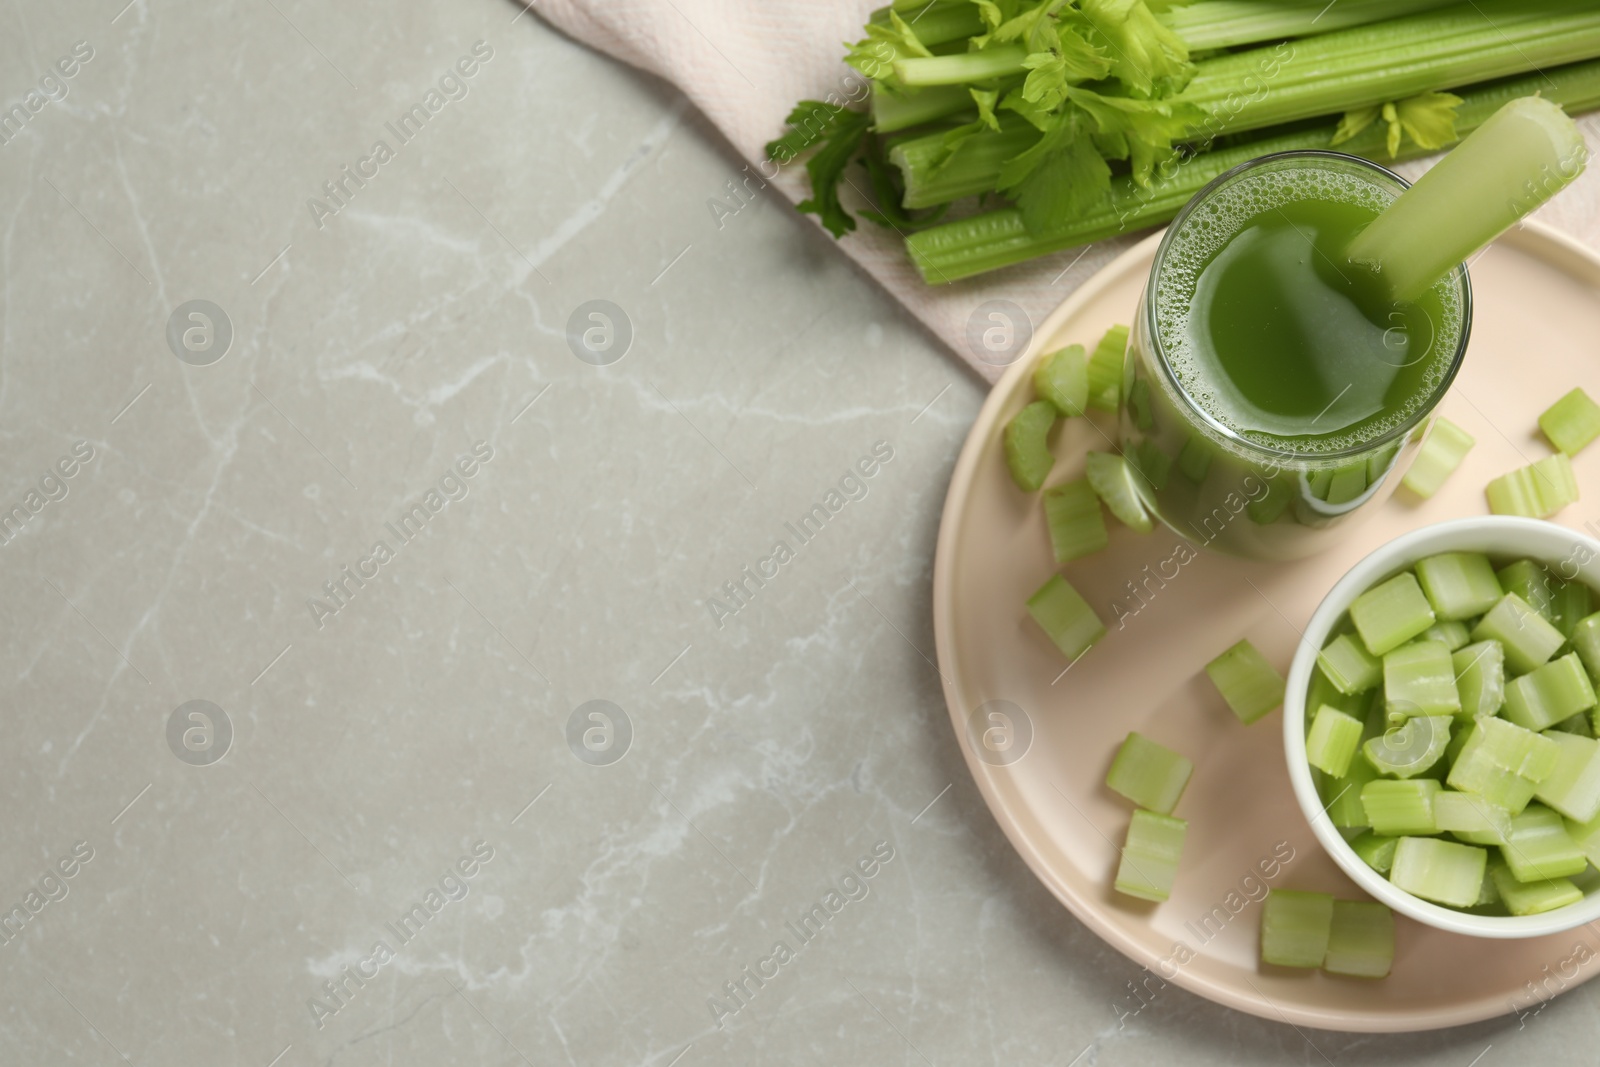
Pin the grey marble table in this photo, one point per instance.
(318, 543)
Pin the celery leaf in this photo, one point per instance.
(839, 132)
(1144, 51)
(1430, 118)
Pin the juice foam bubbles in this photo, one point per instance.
(1209, 228)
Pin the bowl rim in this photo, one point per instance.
(1475, 534)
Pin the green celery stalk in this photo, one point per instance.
(1571, 422)
(1573, 788)
(1540, 847)
(1398, 808)
(1027, 445)
(1480, 678)
(1386, 61)
(1065, 617)
(1149, 864)
(1447, 445)
(1519, 158)
(1529, 581)
(1546, 695)
(1250, 685)
(1391, 613)
(1420, 680)
(1062, 377)
(1527, 637)
(1077, 528)
(1375, 850)
(1412, 748)
(1472, 818)
(1105, 370)
(1441, 871)
(1333, 740)
(1532, 898)
(1346, 663)
(1586, 643)
(1360, 940)
(995, 239)
(936, 22)
(1231, 23)
(1459, 585)
(1536, 491)
(1149, 773)
(1295, 927)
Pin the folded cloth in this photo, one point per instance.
(746, 65)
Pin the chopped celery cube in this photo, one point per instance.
(1571, 422)
(1586, 836)
(1341, 797)
(1270, 505)
(1112, 480)
(1507, 789)
(1419, 679)
(1397, 808)
(1150, 856)
(1194, 461)
(1072, 512)
(1323, 691)
(1348, 665)
(1528, 638)
(1502, 763)
(1537, 491)
(1392, 613)
(1295, 927)
(1444, 872)
(1540, 846)
(1154, 464)
(1348, 483)
(1360, 940)
(1545, 696)
(1569, 604)
(1375, 850)
(1139, 404)
(1452, 635)
(1459, 585)
(1441, 454)
(1489, 894)
(1333, 740)
(1577, 724)
(1105, 370)
(1586, 643)
(1412, 748)
(1318, 482)
(1149, 774)
(1480, 678)
(1531, 898)
(1066, 617)
(1027, 445)
(1468, 813)
(1062, 378)
(1529, 581)
(1497, 744)
(1573, 788)
(1250, 685)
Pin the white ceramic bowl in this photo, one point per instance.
(1499, 536)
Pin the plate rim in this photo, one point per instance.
(1559, 249)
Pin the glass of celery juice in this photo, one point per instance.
(1273, 390)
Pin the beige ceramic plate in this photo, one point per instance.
(1536, 323)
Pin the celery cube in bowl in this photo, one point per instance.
(1501, 768)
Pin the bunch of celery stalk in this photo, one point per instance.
(1001, 130)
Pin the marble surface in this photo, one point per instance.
(418, 844)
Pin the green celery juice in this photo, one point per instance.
(1273, 385)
